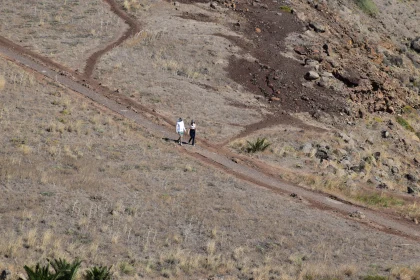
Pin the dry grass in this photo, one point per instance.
(2, 82)
(335, 176)
(60, 29)
(80, 181)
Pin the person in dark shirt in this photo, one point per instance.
(192, 133)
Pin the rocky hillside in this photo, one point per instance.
(372, 49)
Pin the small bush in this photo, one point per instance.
(62, 270)
(368, 6)
(67, 271)
(40, 273)
(257, 146)
(99, 273)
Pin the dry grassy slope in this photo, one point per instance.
(60, 29)
(77, 181)
(365, 44)
(176, 65)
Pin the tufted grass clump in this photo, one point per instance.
(286, 9)
(381, 200)
(62, 270)
(99, 273)
(368, 6)
(258, 145)
(404, 124)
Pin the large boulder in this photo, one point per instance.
(348, 76)
(322, 153)
(415, 44)
(312, 75)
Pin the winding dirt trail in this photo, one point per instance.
(249, 170)
(133, 29)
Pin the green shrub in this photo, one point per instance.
(257, 146)
(367, 6)
(404, 124)
(62, 270)
(65, 270)
(99, 273)
(40, 273)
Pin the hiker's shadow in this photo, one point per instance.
(173, 140)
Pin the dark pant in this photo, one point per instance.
(192, 136)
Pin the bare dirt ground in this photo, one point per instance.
(192, 220)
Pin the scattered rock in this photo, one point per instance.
(340, 152)
(385, 134)
(394, 60)
(370, 140)
(214, 5)
(311, 62)
(413, 189)
(306, 149)
(383, 186)
(301, 50)
(261, 5)
(415, 44)
(5, 274)
(357, 214)
(411, 177)
(348, 77)
(327, 74)
(356, 168)
(294, 195)
(324, 82)
(317, 27)
(235, 160)
(394, 170)
(322, 154)
(344, 136)
(312, 75)
(21, 277)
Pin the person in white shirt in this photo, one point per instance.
(180, 129)
(192, 133)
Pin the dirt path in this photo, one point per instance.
(133, 29)
(208, 153)
(220, 158)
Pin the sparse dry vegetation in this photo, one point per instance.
(78, 181)
(60, 29)
(204, 216)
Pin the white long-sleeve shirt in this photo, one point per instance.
(180, 127)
